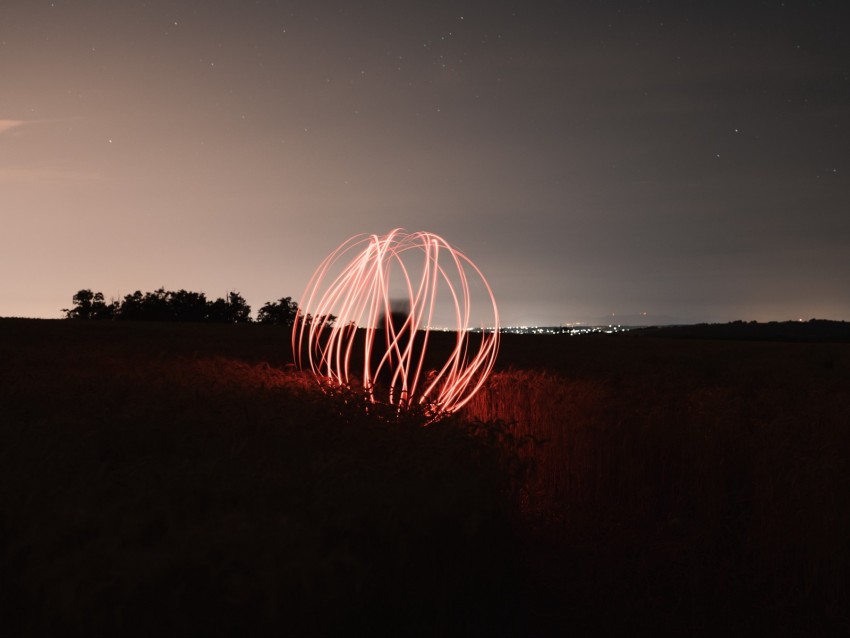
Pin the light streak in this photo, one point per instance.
(386, 356)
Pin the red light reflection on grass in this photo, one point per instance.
(393, 345)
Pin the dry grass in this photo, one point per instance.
(715, 475)
(148, 488)
(160, 479)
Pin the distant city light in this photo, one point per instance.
(564, 330)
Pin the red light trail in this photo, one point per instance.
(429, 274)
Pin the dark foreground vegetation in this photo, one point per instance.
(813, 330)
(160, 478)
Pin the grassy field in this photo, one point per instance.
(164, 478)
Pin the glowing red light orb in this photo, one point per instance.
(368, 319)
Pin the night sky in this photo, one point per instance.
(687, 160)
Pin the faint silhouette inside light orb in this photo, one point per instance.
(367, 321)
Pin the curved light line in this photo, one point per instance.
(359, 294)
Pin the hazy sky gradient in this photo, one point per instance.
(683, 159)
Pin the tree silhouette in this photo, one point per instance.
(187, 306)
(152, 306)
(90, 305)
(162, 305)
(282, 312)
(132, 307)
(234, 309)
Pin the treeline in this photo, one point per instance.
(180, 305)
(803, 331)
